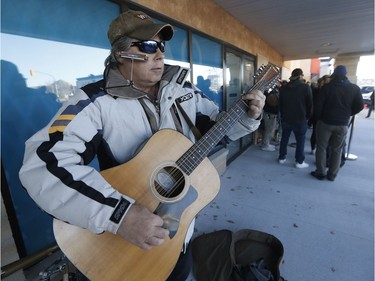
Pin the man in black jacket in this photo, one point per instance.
(295, 103)
(337, 102)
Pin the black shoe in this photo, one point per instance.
(315, 174)
(330, 178)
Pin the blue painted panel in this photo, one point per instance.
(82, 22)
(206, 52)
(177, 47)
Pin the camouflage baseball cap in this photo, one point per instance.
(137, 25)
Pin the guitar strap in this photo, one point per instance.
(153, 124)
(150, 116)
(176, 119)
(193, 128)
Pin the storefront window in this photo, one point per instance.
(36, 77)
(49, 48)
(53, 67)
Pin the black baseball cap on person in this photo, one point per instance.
(137, 25)
(296, 73)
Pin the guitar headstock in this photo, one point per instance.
(266, 77)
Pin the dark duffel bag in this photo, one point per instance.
(245, 255)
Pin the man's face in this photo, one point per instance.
(147, 73)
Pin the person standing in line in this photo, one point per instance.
(270, 113)
(295, 102)
(337, 102)
(312, 122)
(111, 119)
(371, 105)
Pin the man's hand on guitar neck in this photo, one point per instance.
(255, 100)
(142, 228)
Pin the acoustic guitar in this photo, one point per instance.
(175, 180)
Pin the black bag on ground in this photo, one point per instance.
(245, 255)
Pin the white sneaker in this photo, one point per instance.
(302, 165)
(269, 147)
(282, 161)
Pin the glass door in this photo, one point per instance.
(239, 72)
(233, 91)
(248, 82)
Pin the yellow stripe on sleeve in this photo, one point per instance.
(66, 117)
(55, 129)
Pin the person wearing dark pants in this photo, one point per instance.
(337, 101)
(295, 104)
(299, 131)
(371, 105)
(331, 136)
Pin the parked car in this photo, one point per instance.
(366, 94)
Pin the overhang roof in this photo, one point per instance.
(309, 28)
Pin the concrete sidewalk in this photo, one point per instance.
(327, 228)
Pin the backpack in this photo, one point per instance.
(245, 255)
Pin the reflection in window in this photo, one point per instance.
(36, 76)
(233, 78)
(207, 68)
(175, 62)
(248, 78)
(177, 48)
(57, 67)
(210, 81)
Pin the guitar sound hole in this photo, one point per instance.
(169, 182)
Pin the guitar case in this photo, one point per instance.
(245, 255)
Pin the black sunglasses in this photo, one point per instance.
(150, 46)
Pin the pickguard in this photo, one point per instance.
(171, 212)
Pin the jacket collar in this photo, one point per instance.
(117, 86)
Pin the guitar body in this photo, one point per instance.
(107, 256)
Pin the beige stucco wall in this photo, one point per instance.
(209, 18)
(351, 63)
(305, 65)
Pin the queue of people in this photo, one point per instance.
(293, 110)
(326, 109)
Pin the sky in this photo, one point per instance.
(365, 68)
(52, 61)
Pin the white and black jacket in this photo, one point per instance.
(111, 121)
